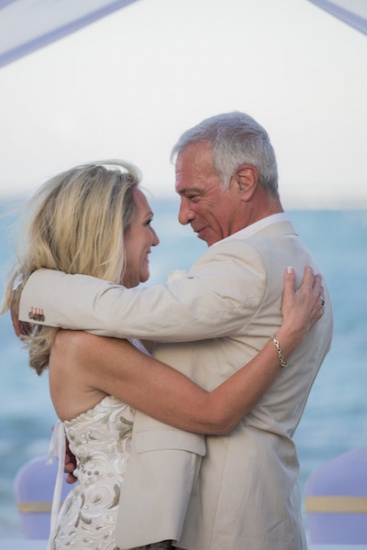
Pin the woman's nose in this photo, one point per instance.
(155, 239)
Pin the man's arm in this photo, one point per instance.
(216, 298)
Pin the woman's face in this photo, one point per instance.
(139, 239)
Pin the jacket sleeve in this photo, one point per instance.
(216, 298)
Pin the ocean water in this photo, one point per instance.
(335, 420)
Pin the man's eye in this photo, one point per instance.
(193, 198)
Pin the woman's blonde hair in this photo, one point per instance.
(77, 225)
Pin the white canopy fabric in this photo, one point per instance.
(27, 25)
(353, 12)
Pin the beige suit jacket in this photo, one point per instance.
(213, 493)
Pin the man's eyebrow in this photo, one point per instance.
(189, 190)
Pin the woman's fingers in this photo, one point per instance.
(302, 307)
(289, 285)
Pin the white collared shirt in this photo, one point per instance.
(255, 227)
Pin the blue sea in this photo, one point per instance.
(335, 420)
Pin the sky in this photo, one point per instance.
(129, 84)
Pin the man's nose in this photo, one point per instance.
(185, 213)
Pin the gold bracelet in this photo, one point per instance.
(282, 362)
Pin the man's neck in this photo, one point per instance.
(263, 209)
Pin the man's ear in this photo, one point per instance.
(245, 179)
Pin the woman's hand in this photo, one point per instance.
(304, 306)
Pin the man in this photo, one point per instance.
(216, 493)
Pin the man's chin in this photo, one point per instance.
(203, 236)
(208, 240)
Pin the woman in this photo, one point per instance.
(95, 220)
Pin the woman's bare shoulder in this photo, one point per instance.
(72, 346)
(78, 345)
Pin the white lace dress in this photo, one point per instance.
(100, 440)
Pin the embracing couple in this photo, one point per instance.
(179, 400)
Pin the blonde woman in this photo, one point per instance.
(95, 220)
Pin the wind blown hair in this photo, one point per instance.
(236, 139)
(77, 225)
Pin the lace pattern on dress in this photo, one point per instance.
(100, 440)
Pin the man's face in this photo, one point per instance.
(213, 211)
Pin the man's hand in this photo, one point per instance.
(21, 328)
(70, 464)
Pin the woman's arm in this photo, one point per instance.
(115, 367)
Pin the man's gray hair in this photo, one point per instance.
(236, 139)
